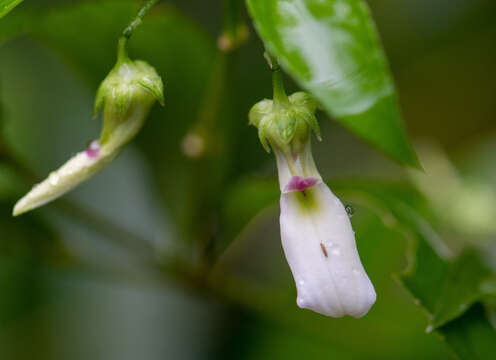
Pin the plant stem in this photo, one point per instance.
(214, 126)
(121, 50)
(128, 31)
(234, 31)
(280, 97)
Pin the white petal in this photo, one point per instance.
(83, 165)
(71, 174)
(320, 247)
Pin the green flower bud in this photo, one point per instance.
(125, 96)
(285, 125)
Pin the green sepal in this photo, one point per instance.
(304, 99)
(259, 111)
(311, 120)
(262, 132)
(99, 100)
(286, 126)
(156, 91)
(283, 123)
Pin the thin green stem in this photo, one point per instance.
(121, 50)
(128, 31)
(280, 97)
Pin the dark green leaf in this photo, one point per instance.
(450, 291)
(332, 50)
(471, 335)
(7, 5)
(445, 289)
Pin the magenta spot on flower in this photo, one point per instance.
(93, 150)
(298, 183)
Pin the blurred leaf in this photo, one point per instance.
(243, 202)
(471, 335)
(448, 290)
(14, 25)
(7, 5)
(332, 49)
(10, 184)
(445, 289)
(23, 245)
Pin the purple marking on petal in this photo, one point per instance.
(93, 150)
(298, 183)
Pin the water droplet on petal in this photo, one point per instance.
(54, 179)
(300, 302)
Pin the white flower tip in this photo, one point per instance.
(20, 207)
(28, 202)
(78, 169)
(338, 307)
(319, 244)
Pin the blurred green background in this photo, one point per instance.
(76, 280)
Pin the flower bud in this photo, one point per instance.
(125, 96)
(317, 237)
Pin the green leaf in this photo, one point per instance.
(449, 290)
(332, 50)
(471, 335)
(244, 200)
(7, 5)
(445, 289)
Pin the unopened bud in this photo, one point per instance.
(125, 96)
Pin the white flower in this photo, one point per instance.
(317, 237)
(319, 244)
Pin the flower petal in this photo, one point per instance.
(77, 170)
(320, 247)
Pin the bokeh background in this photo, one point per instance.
(77, 279)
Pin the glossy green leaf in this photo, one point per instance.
(7, 5)
(332, 50)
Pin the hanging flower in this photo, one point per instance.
(126, 96)
(317, 237)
